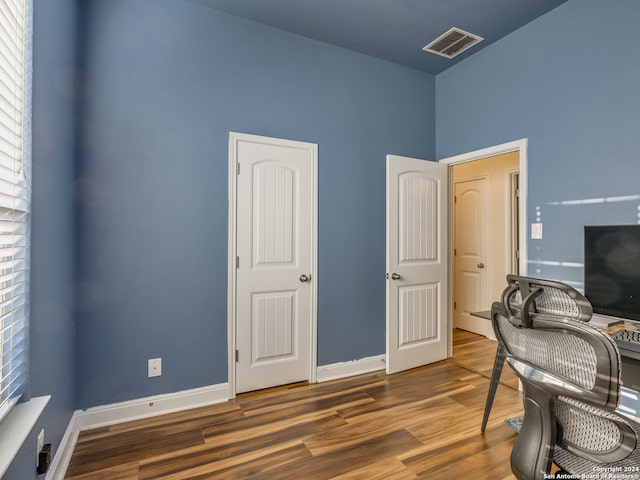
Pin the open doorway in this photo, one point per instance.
(491, 184)
(483, 230)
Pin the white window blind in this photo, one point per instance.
(15, 113)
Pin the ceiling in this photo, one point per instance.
(394, 30)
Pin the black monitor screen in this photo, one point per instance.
(612, 270)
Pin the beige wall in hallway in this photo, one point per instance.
(497, 171)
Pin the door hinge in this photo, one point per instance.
(454, 307)
(237, 355)
(455, 199)
(455, 252)
(518, 254)
(238, 168)
(237, 262)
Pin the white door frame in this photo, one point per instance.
(519, 146)
(234, 137)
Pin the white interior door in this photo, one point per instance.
(275, 265)
(417, 264)
(470, 254)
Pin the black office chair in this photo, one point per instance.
(570, 372)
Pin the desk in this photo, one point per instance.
(630, 392)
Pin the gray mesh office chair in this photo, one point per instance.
(570, 372)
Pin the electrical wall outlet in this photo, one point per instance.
(154, 367)
(39, 445)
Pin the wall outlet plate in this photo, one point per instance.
(154, 367)
(39, 445)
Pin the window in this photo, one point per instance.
(15, 137)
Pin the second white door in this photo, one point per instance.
(417, 266)
(470, 254)
(275, 261)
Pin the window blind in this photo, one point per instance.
(15, 59)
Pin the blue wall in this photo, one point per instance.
(52, 369)
(164, 83)
(569, 82)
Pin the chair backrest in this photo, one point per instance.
(544, 323)
(570, 369)
(525, 295)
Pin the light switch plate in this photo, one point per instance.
(536, 231)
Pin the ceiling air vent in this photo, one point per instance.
(453, 43)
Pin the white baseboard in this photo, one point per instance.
(127, 411)
(150, 406)
(349, 369)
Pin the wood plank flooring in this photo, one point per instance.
(423, 423)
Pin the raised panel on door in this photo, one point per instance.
(418, 306)
(274, 222)
(273, 319)
(469, 243)
(418, 228)
(471, 288)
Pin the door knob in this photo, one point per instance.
(480, 265)
(395, 276)
(305, 278)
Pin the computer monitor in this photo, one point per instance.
(612, 270)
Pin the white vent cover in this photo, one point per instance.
(453, 43)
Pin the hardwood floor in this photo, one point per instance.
(423, 423)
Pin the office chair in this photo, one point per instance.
(570, 373)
